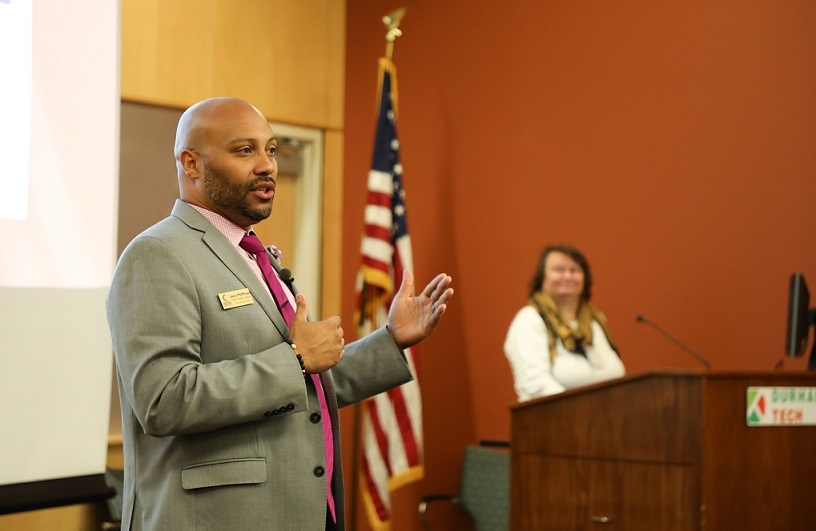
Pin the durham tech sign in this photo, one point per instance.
(781, 406)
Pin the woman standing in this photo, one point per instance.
(559, 340)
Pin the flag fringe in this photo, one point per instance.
(405, 477)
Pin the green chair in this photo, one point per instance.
(484, 488)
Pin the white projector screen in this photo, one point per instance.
(59, 140)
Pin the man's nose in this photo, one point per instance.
(267, 165)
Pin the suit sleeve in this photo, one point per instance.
(372, 365)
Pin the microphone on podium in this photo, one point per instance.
(674, 340)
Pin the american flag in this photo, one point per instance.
(392, 421)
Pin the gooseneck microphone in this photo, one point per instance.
(674, 340)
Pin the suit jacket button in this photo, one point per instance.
(269, 413)
(315, 418)
(290, 407)
(319, 471)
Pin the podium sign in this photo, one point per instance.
(781, 406)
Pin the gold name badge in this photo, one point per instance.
(234, 299)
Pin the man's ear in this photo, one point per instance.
(190, 163)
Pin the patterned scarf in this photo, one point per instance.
(574, 339)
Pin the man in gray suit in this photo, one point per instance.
(223, 424)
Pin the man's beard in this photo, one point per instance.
(233, 197)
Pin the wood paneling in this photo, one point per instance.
(84, 517)
(674, 453)
(591, 492)
(287, 58)
(332, 230)
(167, 51)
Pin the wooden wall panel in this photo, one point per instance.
(287, 58)
(167, 51)
(332, 229)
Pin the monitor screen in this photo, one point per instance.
(799, 317)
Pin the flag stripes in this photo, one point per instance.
(392, 422)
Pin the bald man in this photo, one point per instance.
(224, 426)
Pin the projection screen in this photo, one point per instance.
(59, 130)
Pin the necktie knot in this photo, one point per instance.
(251, 244)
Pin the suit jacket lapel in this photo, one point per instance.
(227, 254)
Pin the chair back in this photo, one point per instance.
(485, 487)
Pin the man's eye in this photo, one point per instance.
(245, 149)
(270, 151)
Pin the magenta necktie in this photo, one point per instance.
(253, 245)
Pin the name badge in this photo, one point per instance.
(234, 299)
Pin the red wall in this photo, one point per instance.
(672, 142)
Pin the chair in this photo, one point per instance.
(115, 478)
(484, 488)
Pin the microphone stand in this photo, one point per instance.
(674, 340)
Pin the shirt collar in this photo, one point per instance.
(230, 230)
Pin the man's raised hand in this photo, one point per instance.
(412, 319)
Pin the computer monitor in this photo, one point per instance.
(800, 319)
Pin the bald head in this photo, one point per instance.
(198, 123)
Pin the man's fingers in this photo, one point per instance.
(439, 290)
(407, 286)
(440, 281)
(302, 310)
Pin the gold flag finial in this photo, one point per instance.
(392, 21)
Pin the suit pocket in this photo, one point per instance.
(226, 472)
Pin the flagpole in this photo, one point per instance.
(392, 21)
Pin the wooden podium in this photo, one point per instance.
(660, 451)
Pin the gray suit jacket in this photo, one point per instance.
(220, 429)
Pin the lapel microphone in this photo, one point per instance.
(287, 278)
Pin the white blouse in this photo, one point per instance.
(527, 349)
